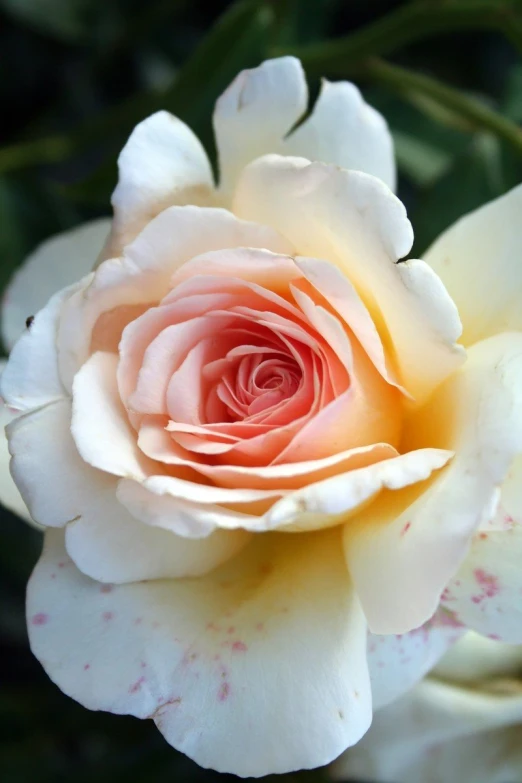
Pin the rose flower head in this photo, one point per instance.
(259, 451)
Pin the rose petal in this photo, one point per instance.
(163, 163)
(142, 275)
(343, 129)
(108, 544)
(9, 494)
(194, 510)
(353, 220)
(403, 551)
(46, 465)
(204, 658)
(329, 281)
(255, 113)
(152, 505)
(398, 662)
(478, 258)
(156, 443)
(485, 592)
(475, 657)
(441, 732)
(32, 377)
(56, 263)
(346, 492)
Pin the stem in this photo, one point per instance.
(404, 81)
(409, 23)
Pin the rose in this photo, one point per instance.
(218, 569)
(464, 720)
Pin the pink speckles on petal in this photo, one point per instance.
(135, 687)
(239, 647)
(405, 528)
(106, 588)
(224, 691)
(447, 619)
(86, 667)
(108, 616)
(41, 618)
(260, 627)
(488, 582)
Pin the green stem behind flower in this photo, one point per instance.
(406, 82)
(412, 22)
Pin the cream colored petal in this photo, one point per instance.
(9, 494)
(343, 129)
(403, 550)
(32, 377)
(475, 657)
(108, 544)
(442, 733)
(485, 593)
(56, 263)
(255, 113)
(397, 662)
(259, 667)
(478, 258)
(354, 221)
(46, 466)
(163, 163)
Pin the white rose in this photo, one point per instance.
(254, 438)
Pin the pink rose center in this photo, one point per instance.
(245, 365)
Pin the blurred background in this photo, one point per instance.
(76, 76)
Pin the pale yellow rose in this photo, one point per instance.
(259, 449)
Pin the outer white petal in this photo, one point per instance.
(478, 259)
(58, 262)
(109, 545)
(9, 495)
(475, 657)
(398, 662)
(442, 733)
(403, 550)
(486, 592)
(46, 466)
(102, 537)
(259, 667)
(32, 376)
(163, 163)
(343, 129)
(353, 220)
(255, 113)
